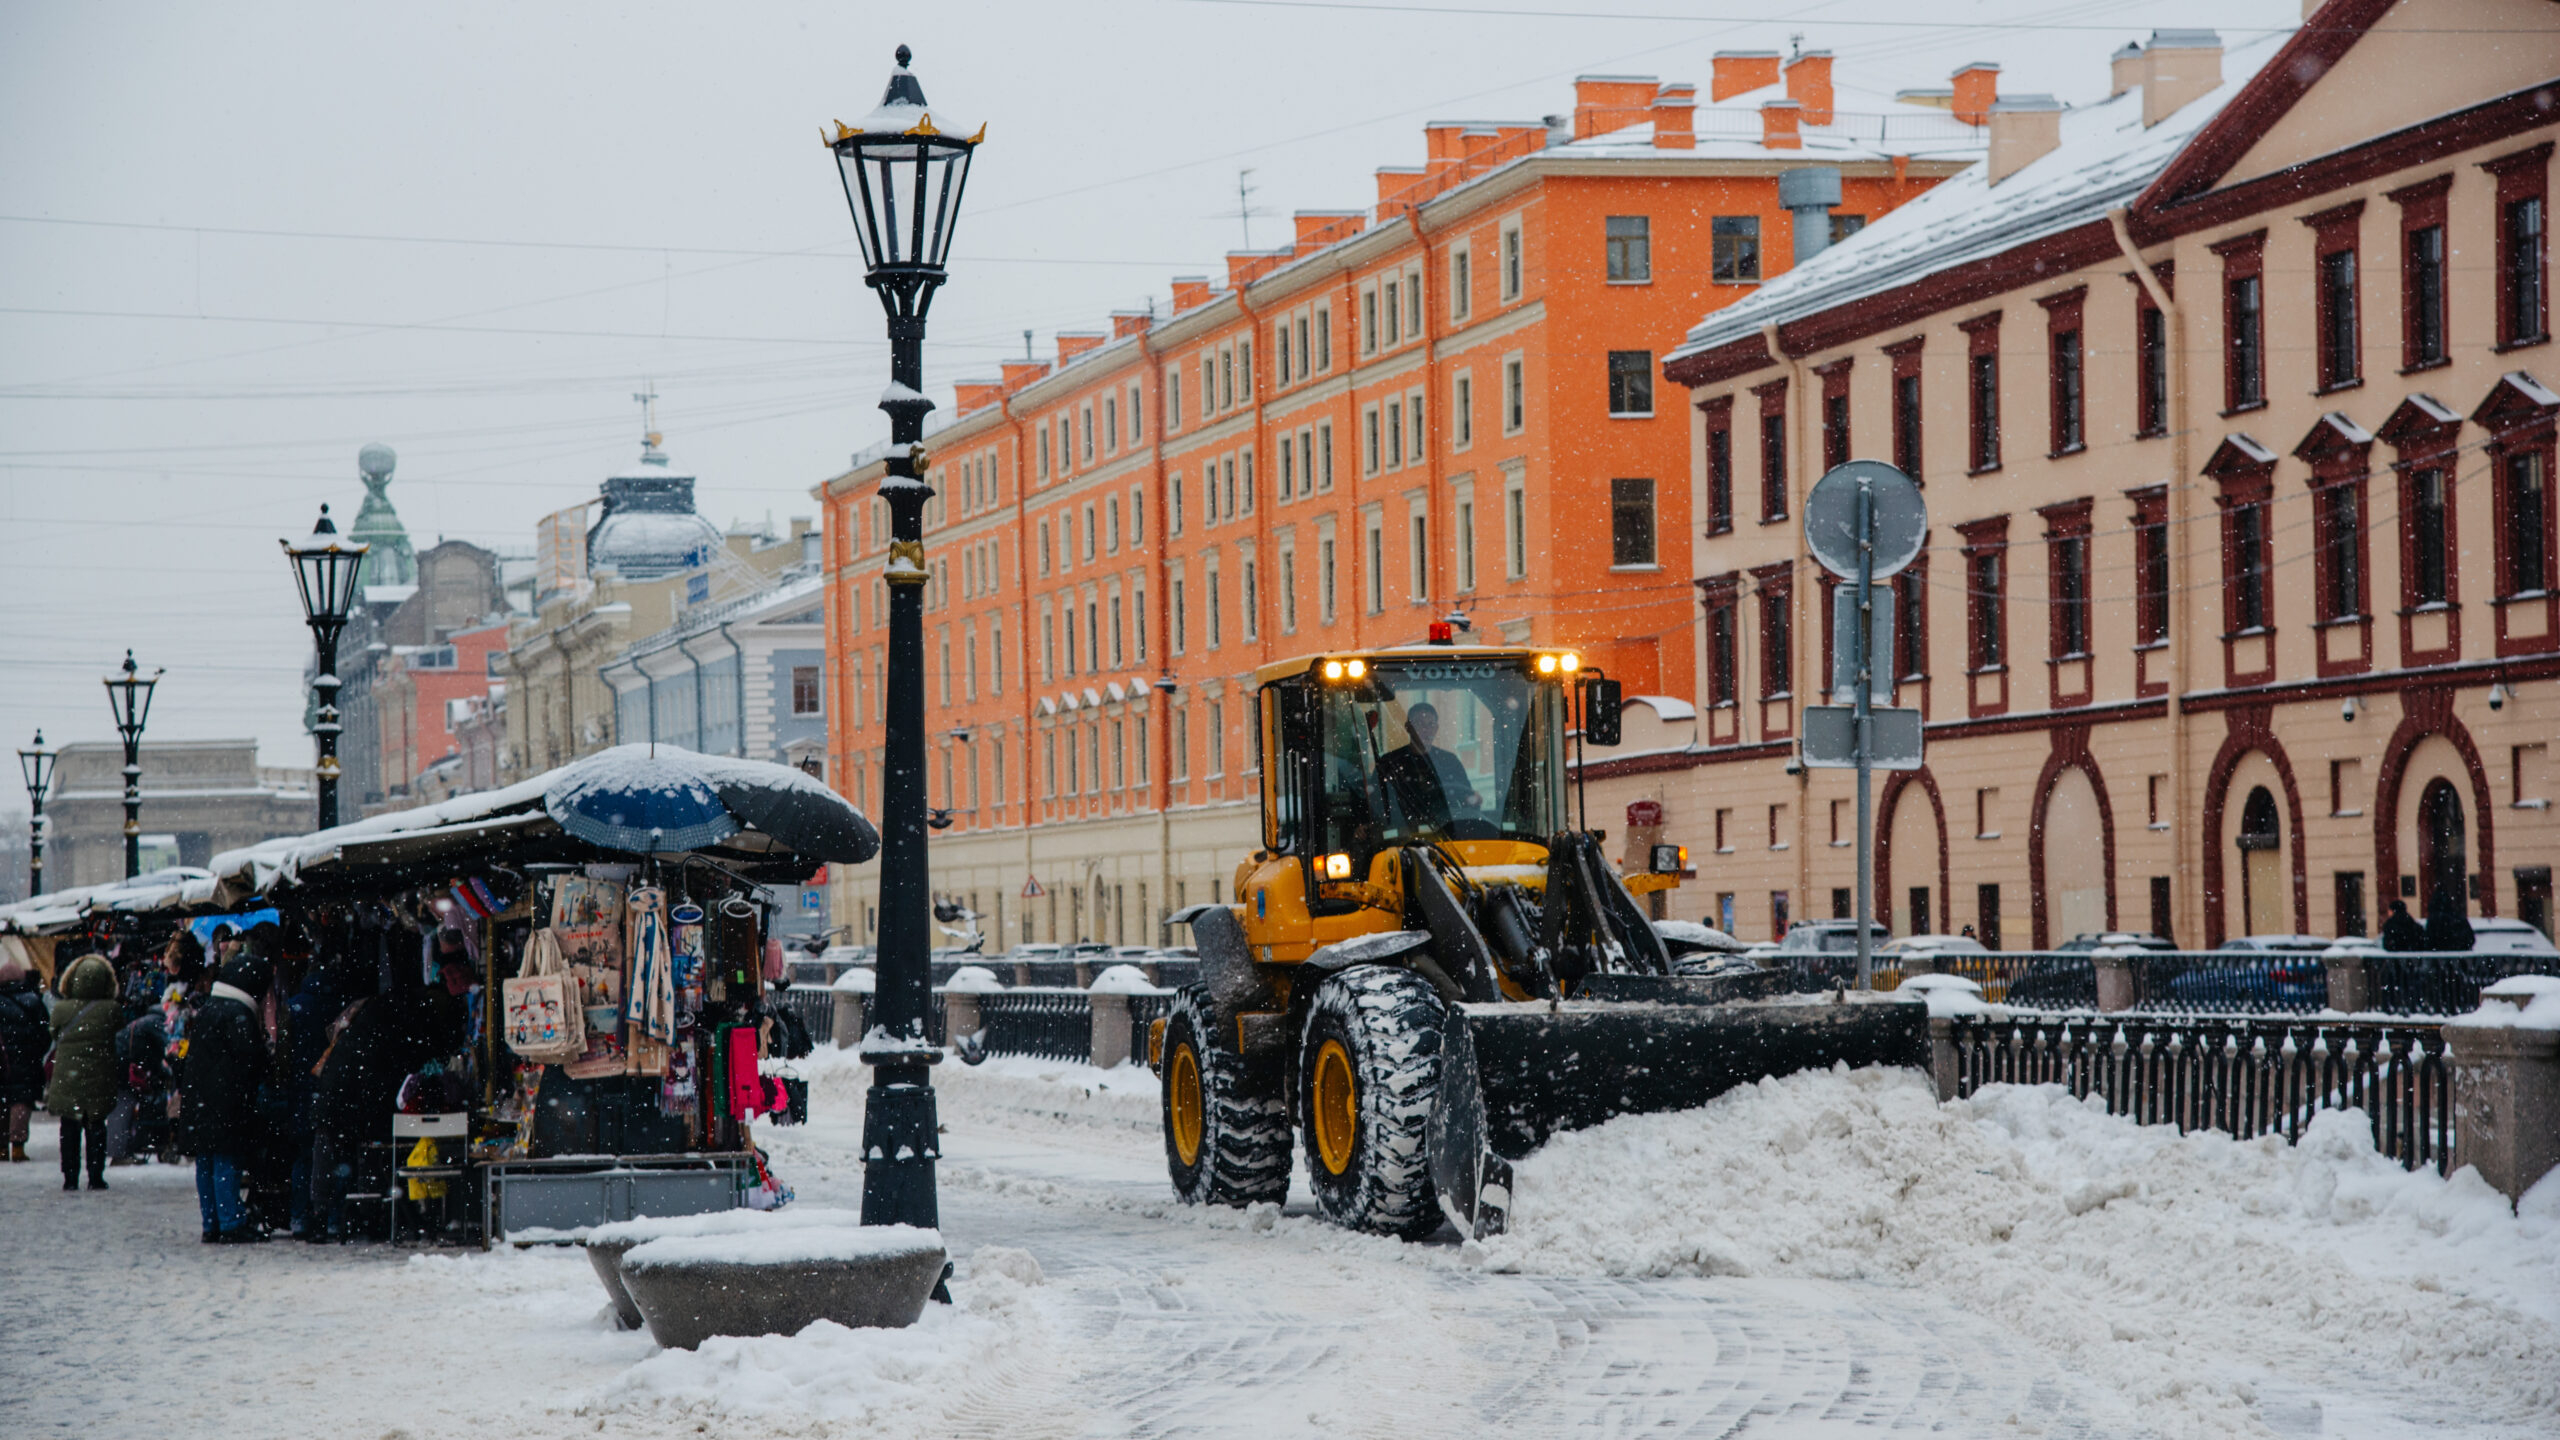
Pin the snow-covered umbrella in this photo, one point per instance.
(640, 803)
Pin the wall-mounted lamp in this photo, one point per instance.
(2498, 697)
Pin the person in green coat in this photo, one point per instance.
(85, 1020)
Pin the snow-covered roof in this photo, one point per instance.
(2106, 158)
(177, 885)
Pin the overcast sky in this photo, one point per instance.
(239, 241)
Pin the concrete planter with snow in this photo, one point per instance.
(779, 1282)
(607, 1244)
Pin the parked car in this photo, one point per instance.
(1932, 945)
(2502, 935)
(2115, 940)
(2278, 944)
(1829, 937)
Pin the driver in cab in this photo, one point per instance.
(1426, 783)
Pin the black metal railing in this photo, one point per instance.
(2241, 1075)
(2442, 983)
(2059, 980)
(1049, 1024)
(816, 1007)
(2224, 982)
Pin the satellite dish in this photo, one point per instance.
(1901, 518)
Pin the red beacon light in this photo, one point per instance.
(1443, 633)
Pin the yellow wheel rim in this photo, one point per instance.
(1182, 1098)
(1336, 1107)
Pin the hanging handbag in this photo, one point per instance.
(545, 1021)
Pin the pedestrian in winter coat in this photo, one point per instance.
(218, 1078)
(85, 1020)
(2447, 928)
(379, 1039)
(2402, 931)
(24, 1037)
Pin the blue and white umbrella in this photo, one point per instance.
(641, 804)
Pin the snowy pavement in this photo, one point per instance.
(1828, 1256)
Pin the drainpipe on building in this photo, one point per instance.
(1160, 694)
(741, 652)
(1432, 500)
(2185, 904)
(1799, 580)
(1022, 619)
(701, 715)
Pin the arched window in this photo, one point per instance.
(2443, 855)
(2262, 901)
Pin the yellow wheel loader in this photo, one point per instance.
(1428, 968)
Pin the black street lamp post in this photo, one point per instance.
(129, 697)
(38, 765)
(903, 178)
(325, 567)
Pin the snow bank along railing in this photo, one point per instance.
(1041, 1022)
(2243, 1075)
(2198, 982)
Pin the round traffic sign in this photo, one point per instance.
(1900, 520)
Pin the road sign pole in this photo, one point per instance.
(1866, 662)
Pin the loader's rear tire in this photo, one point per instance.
(1368, 1072)
(1226, 1118)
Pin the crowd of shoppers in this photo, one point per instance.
(269, 1071)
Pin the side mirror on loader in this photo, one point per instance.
(1602, 699)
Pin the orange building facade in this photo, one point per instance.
(1448, 404)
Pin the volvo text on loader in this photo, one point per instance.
(1428, 967)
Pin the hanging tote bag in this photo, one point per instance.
(544, 1021)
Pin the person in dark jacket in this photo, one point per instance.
(2447, 928)
(306, 1036)
(24, 1037)
(84, 1087)
(380, 1039)
(2402, 931)
(218, 1077)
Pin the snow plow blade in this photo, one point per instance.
(1512, 1074)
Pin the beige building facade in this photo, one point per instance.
(2232, 399)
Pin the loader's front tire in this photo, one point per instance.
(1368, 1072)
(1226, 1119)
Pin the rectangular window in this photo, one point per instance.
(2423, 335)
(2524, 244)
(1324, 337)
(1906, 423)
(1720, 467)
(1215, 611)
(1376, 573)
(1631, 522)
(2244, 340)
(2151, 568)
(1369, 321)
(1984, 597)
(1217, 737)
(1463, 519)
(1986, 915)
(804, 690)
(1418, 555)
(1511, 263)
(1181, 764)
(1395, 434)
(1982, 373)
(1176, 615)
(1172, 398)
(1372, 452)
(2338, 515)
(1777, 643)
(2067, 550)
(1773, 454)
(1306, 357)
(1515, 530)
(995, 660)
(1835, 427)
(1392, 303)
(2524, 530)
(1227, 378)
(1463, 410)
(1413, 303)
(1737, 248)
(1461, 282)
(1630, 382)
(1515, 396)
(1630, 249)
(2067, 417)
(2245, 532)
(1138, 621)
(1288, 592)
(1043, 437)
(1208, 385)
(1721, 660)
(1249, 596)
(1288, 466)
(2350, 906)
(1911, 622)
(1324, 456)
(1137, 426)
(2341, 348)
(1324, 578)
(2430, 573)
(2151, 402)
(1413, 423)
(1280, 349)
(1249, 486)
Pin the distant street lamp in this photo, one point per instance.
(129, 697)
(38, 763)
(326, 567)
(903, 178)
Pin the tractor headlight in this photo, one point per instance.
(1569, 662)
(1669, 860)
(1337, 867)
(1333, 669)
(1355, 668)
(1546, 664)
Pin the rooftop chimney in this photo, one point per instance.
(1394, 181)
(1809, 81)
(1319, 228)
(1246, 266)
(1190, 292)
(1977, 86)
(1125, 323)
(977, 395)
(1809, 195)
(1072, 343)
(1602, 103)
(1737, 72)
(2124, 69)
(2024, 128)
(1018, 373)
(1779, 121)
(2178, 66)
(1675, 118)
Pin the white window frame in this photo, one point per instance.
(1417, 530)
(1461, 280)
(1373, 558)
(1462, 526)
(1515, 393)
(1515, 523)
(1462, 411)
(1515, 258)
(1327, 568)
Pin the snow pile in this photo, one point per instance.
(2144, 1258)
(973, 980)
(784, 1245)
(646, 1228)
(860, 980)
(2519, 1002)
(865, 1382)
(1126, 980)
(1947, 994)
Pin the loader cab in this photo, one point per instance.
(1366, 754)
